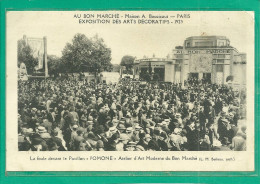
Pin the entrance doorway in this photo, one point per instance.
(159, 74)
(207, 77)
(194, 75)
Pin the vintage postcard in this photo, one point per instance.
(130, 91)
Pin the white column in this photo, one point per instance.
(226, 72)
(173, 73)
(168, 76)
(200, 76)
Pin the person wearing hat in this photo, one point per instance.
(204, 140)
(223, 129)
(202, 118)
(111, 131)
(211, 131)
(47, 125)
(100, 146)
(192, 137)
(37, 143)
(79, 138)
(121, 127)
(130, 146)
(144, 140)
(178, 117)
(41, 129)
(132, 134)
(45, 136)
(176, 140)
(239, 142)
(163, 141)
(153, 146)
(123, 140)
(128, 120)
(83, 120)
(52, 146)
(225, 145)
(57, 140)
(73, 136)
(139, 148)
(99, 132)
(164, 126)
(129, 131)
(24, 141)
(112, 142)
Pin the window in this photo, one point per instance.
(203, 44)
(177, 68)
(178, 61)
(219, 68)
(221, 55)
(221, 44)
(220, 61)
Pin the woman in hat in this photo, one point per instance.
(112, 142)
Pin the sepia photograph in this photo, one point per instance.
(193, 99)
(164, 81)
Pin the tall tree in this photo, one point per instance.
(128, 62)
(86, 55)
(54, 65)
(25, 55)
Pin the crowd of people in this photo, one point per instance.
(71, 114)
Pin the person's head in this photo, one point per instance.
(129, 130)
(25, 146)
(225, 141)
(201, 108)
(147, 138)
(82, 146)
(100, 130)
(163, 136)
(139, 148)
(191, 124)
(175, 122)
(153, 146)
(124, 138)
(197, 125)
(243, 129)
(52, 146)
(130, 146)
(55, 132)
(210, 126)
(115, 137)
(80, 132)
(100, 145)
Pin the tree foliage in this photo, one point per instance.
(25, 55)
(128, 62)
(86, 55)
(54, 65)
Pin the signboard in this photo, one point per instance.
(200, 63)
(204, 51)
(37, 46)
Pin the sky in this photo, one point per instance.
(132, 39)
